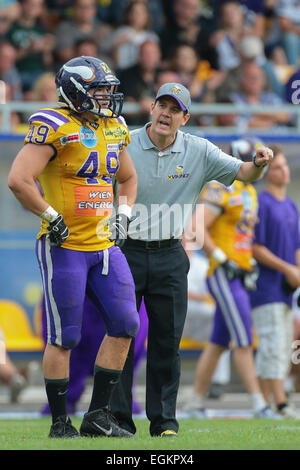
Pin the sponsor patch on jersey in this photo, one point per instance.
(88, 137)
(93, 200)
(235, 200)
(113, 147)
(70, 138)
(114, 132)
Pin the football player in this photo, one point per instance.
(230, 214)
(74, 151)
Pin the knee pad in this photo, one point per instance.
(128, 327)
(71, 336)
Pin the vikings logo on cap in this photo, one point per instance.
(176, 90)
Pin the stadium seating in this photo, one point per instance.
(19, 336)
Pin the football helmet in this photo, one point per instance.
(245, 148)
(78, 76)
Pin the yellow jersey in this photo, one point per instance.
(77, 181)
(233, 229)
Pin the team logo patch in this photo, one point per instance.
(70, 138)
(115, 132)
(176, 90)
(179, 173)
(88, 137)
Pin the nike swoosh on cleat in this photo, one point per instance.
(107, 432)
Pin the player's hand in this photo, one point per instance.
(231, 269)
(58, 231)
(263, 157)
(118, 226)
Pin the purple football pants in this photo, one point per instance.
(69, 275)
(232, 319)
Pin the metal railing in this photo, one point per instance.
(196, 110)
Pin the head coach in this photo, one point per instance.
(172, 168)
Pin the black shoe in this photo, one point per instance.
(62, 428)
(102, 423)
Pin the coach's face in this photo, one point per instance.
(167, 116)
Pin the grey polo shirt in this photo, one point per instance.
(170, 182)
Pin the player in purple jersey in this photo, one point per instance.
(277, 251)
(83, 356)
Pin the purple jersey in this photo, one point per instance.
(278, 230)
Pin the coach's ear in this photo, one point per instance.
(185, 119)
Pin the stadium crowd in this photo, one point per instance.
(242, 51)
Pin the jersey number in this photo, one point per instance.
(38, 134)
(90, 168)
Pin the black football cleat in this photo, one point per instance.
(101, 422)
(63, 428)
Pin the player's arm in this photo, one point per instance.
(27, 166)
(251, 171)
(127, 189)
(265, 257)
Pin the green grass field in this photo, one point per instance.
(213, 434)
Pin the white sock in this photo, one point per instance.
(258, 401)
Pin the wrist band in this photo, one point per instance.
(219, 255)
(49, 214)
(256, 165)
(125, 209)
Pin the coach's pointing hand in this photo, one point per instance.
(263, 157)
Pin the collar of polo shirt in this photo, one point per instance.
(147, 143)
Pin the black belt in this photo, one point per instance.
(152, 245)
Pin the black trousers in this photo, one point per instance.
(160, 277)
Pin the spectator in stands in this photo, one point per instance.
(44, 88)
(282, 70)
(185, 64)
(185, 24)
(288, 12)
(9, 374)
(254, 17)
(165, 76)
(113, 12)
(226, 39)
(137, 82)
(33, 43)
(127, 39)
(251, 50)
(8, 70)
(252, 92)
(277, 251)
(84, 24)
(9, 12)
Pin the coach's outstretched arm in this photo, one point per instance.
(251, 171)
